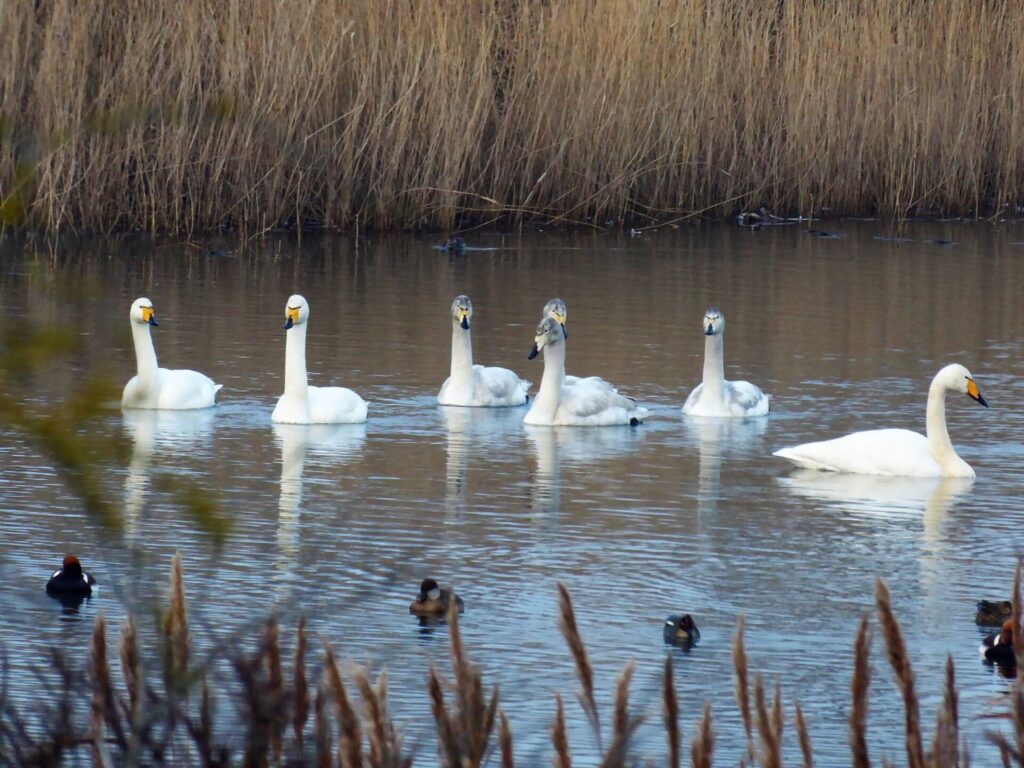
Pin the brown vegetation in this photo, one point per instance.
(157, 722)
(127, 114)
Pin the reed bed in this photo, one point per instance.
(168, 719)
(140, 114)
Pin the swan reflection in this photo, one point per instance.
(715, 437)
(470, 430)
(326, 444)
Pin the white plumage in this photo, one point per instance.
(715, 397)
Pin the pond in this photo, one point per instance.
(675, 515)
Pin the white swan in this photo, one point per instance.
(476, 385)
(556, 310)
(898, 452)
(301, 403)
(714, 396)
(587, 402)
(155, 387)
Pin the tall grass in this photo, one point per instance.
(147, 720)
(128, 114)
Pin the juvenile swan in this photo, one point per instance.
(476, 385)
(898, 452)
(715, 396)
(301, 403)
(586, 402)
(155, 387)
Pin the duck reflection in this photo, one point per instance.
(328, 444)
(714, 437)
(469, 431)
(157, 432)
(555, 447)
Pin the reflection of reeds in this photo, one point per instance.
(141, 727)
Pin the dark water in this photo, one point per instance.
(677, 515)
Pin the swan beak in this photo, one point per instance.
(565, 331)
(973, 393)
(533, 352)
(148, 316)
(293, 318)
(710, 331)
(559, 318)
(465, 323)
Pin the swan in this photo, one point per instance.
(586, 402)
(714, 396)
(301, 403)
(155, 387)
(476, 385)
(555, 309)
(898, 452)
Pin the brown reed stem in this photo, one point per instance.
(859, 694)
(321, 731)
(771, 749)
(702, 748)
(448, 746)
(670, 713)
(350, 742)
(803, 737)
(899, 660)
(584, 671)
(131, 672)
(176, 630)
(505, 743)
(300, 684)
(102, 692)
(275, 687)
(946, 739)
(559, 738)
(742, 688)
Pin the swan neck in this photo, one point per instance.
(939, 444)
(462, 353)
(550, 393)
(145, 353)
(295, 382)
(714, 365)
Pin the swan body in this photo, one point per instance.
(585, 402)
(715, 397)
(898, 452)
(161, 388)
(477, 385)
(301, 403)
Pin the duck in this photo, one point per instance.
(999, 648)
(433, 600)
(753, 218)
(714, 396)
(454, 245)
(680, 630)
(70, 580)
(992, 613)
(586, 402)
(302, 403)
(477, 385)
(162, 388)
(898, 452)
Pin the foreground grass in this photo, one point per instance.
(126, 114)
(288, 719)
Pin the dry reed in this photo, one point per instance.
(133, 114)
(670, 713)
(803, 737)
(350, 742)
(585, 673)
(739, 662)
(702, 749)
(899, 660)
(559, 738)
(859, 685)
(300, 686)
(505, 742)
(176, 630)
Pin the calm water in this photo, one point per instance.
(676, 515)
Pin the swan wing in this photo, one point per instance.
(335, 405)
(182, 389)
(746, 399)
(498, 387)
(593, 401)
(894, 452)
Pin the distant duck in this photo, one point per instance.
(715, 397)
(156, 387)
(70, 580)
(454, 245)
(754, 218)
(999, 648)
(476, 385)
(992, 613)
(434, 601)
(680, 630)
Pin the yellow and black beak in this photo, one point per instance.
(463, 317)
(974, 394)
(533, 352)
(148, 316)
(560, 319)
(292, 315)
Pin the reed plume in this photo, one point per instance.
(739, 661)
(585, 673)
(131, 672)
(176, 631)
(102, 701)
(321, 730)
(859, 694)
(899, 660)
(505, 742)
(276, 702)
(771, 748)
(803, 737)
(945, 742)
(670, 713)
(559, 738)
(702, 748)
(300, 686)
(350, 742)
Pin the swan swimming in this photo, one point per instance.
(898, 452)
(162, 388)
(555, 309)
(714, 396)
(586, 402)
(476, 385)
(301, 403)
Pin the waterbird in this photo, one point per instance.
(999, 647)
(992, 613)
(898, 452)
(433, 600)
(70, 580)
(680, 630)
(590, 401)
(714, 396)
(454, 245)
(161, 388)
(302, 403)
(476, 385)
(753, 218)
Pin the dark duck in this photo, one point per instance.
(680, 630)
(434, 601)
(70, 580)
(999, 648)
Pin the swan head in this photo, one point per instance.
(549, 332)
(142, 312)
(958, 379)
(429, 590)
(713, 323)
(555, 309)
(296, 311)
(462, 310)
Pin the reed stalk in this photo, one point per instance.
(300, 685)
(585, 673)
(742, 686)
(803, 737)
(899, 660)
(859, 685)
(670, 713)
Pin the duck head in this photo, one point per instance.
(549, 333)
(429, 590)
(71, 566)
(555, 309)
(296, 311)
(462, 310)
(142, 312)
